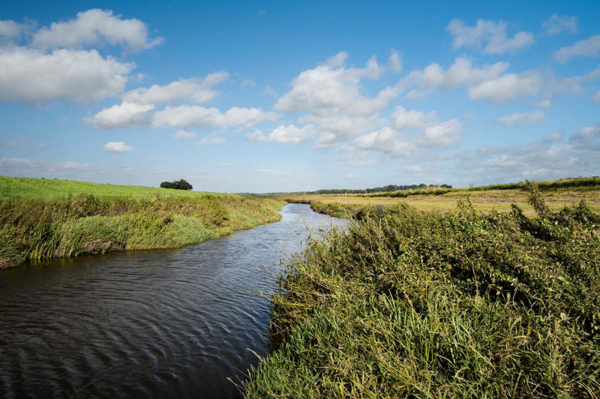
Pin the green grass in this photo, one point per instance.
(461, 304)
(36, 225)
(24, 187)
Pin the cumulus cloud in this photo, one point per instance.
(584, 48)
(191, 115)
(130, 115)
(96, 27)
(117, 146)
(434, 132)
(587, 135)
(597, 97)
(493, 34)
(507, 87)
(522, 118)
(194, 90)
(559, 23)
(11, 31)
(386, 140)
(212, 139)
(285, 134)
(183, 135)
(461, 73)
(28, 75)
(331, 88)
(248, 82)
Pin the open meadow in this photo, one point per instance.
(497, 197)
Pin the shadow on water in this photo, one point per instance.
(168, 324)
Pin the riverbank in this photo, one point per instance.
(409, 303)
(500, 197)
(38, 229)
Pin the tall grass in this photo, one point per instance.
(39, 229)
(440, 305)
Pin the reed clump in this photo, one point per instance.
(35, 229)
(417, 304)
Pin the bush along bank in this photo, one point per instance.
(441, 305)
(38, 229)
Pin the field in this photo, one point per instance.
(487, 198)
(438, 304)
(39, 225)
(24, 187)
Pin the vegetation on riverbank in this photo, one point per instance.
(35, 229)
(440, 305)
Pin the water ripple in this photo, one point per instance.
(171, 323)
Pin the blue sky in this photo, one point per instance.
(287, 96)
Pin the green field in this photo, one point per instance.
(25, 187)
(440, 304)
(45, 219)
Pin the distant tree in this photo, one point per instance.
(176, 185)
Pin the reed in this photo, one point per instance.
(35, 229)
(406, 303)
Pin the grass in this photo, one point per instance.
(438, 304)
(40, 229)
(24, 187)
(488, 198)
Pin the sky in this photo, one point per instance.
(272, 96)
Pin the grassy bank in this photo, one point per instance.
(34, 229)
(441, 305)
(24, 187)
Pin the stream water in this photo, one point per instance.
(147, 324)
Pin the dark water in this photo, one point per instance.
(162, 324)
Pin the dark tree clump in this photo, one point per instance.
(177, 185)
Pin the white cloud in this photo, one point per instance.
(434, 132)
(122, 115)
(183, 135)
(117, 146)
(584, 48)
(330, 88)
(190, 115)
(507, 87)
(212, 139)
(96, 27)
(560, 23)
(386, 140)
(349, 176)
(273, 172)
(285, 134)
(597, 97)
(395, 61)
(492, 33)
(195, 90)
(341, 127)
(412, 119)
(11, 30)
(441, 133)
(31, 76)
(544, 103)
(248, 82)
(461, 73)
(522, 118)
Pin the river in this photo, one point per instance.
(147, 324)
